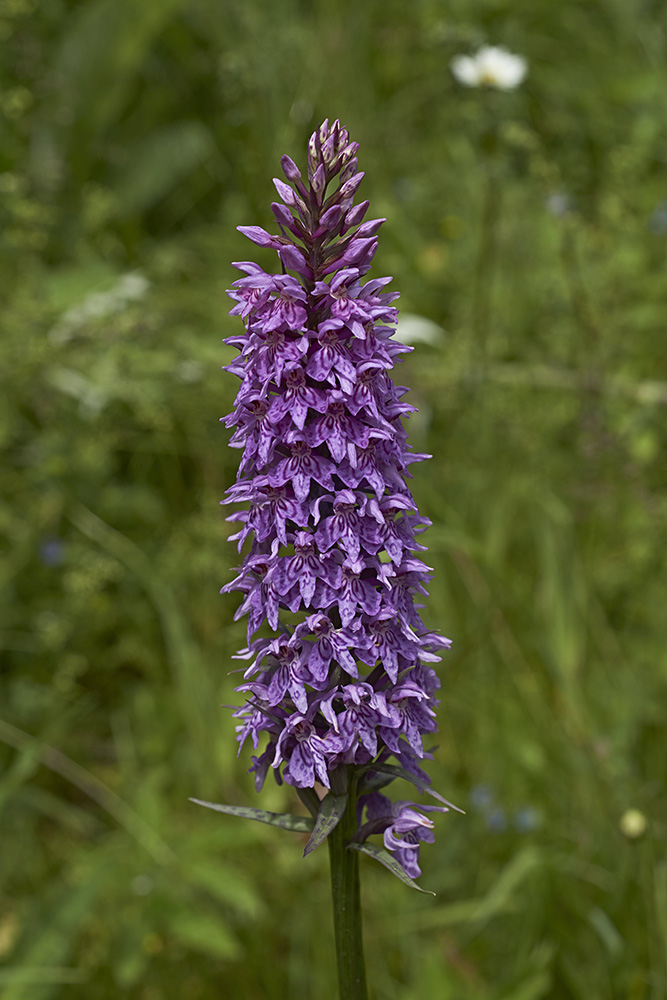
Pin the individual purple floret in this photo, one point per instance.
(402, 825)
(340, 676)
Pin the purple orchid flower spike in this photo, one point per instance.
(331, 526)
(341, 688)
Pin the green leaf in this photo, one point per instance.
(286, 821)
(310, 800)
(386, 859)
(330, 813)
(607, 931)
(373, 781)
(400, 772)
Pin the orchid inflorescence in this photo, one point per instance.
(340, 681)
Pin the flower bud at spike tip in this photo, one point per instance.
(331, 217)
(290, 169)
(350, 170)
(369, 228)
(328, 150)
(360, 250)
(319, 182)
(349, 187)
(356, 214)
(257, 235)
(282, 215)
(313, 151)
(285, 191)
(339, 679)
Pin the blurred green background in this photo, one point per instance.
(530, 229)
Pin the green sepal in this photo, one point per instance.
(286, 821)
(423, 786)
(310, 800)
(373, 781)
(329, 815)
(386, 859)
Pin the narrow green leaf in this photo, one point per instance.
(607, 931)
(386, 859)
(286, 821)
(401, 772)
(373, 781)
(331, 811)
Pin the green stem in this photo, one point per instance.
(486, 266)
(347, 905)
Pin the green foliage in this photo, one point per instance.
(329, 814)
(530, 228)
(390, 863)
(286, 821)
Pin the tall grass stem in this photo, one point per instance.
(485, 268)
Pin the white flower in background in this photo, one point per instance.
(633, 823)
(559, 203)
(130, 287)
(417, 329)
(492, 66)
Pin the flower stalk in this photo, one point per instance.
(486, 267)
(490, 68)
(346, 901)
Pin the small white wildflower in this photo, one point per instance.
(189, 371)
(130, 287)
(417, 329)
(92, 398)
(633, 823)
(559, 203)
(142, 885)
(492, 66)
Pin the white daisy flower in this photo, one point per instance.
(492, 66)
